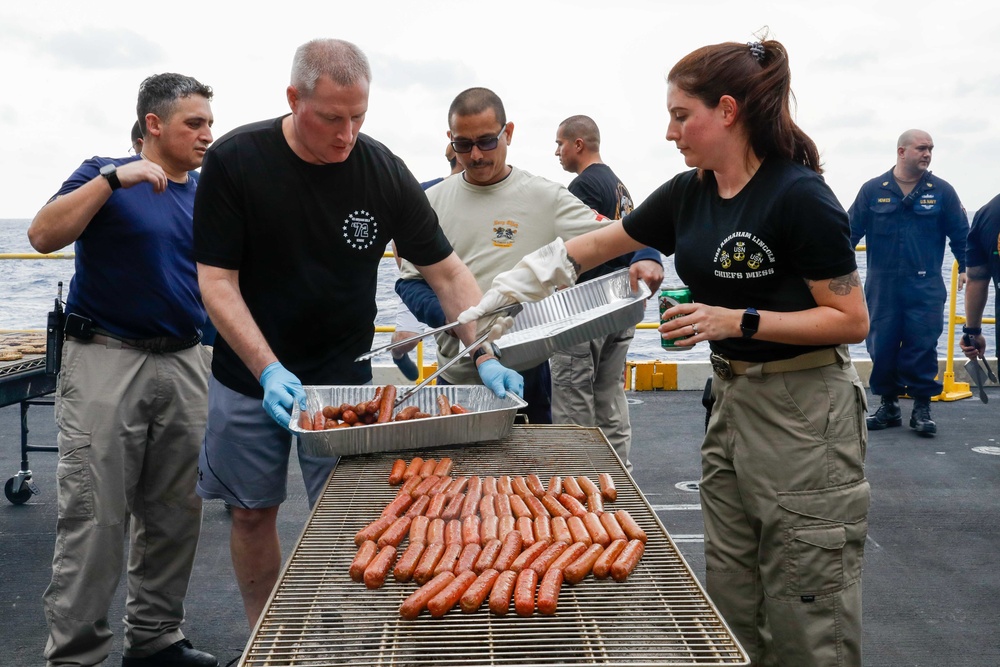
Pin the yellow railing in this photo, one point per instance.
(663, 374)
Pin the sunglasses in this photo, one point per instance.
(465, 145)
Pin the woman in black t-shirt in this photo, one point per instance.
(764, 246)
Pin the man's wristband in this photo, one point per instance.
(973, 331)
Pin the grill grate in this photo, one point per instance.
(318, 616)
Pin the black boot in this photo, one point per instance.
(887, 415)
(178, 654)
(920, 418)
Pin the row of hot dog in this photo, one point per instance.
(379, 410)
(473, 538)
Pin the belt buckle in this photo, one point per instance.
(722, 367)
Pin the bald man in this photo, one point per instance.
(905, 215)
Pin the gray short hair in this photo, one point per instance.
(158, 94)
(343, 62)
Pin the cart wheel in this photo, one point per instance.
(18, 498)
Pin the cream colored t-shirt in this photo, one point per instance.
(492, 227)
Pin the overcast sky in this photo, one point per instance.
(862, 73)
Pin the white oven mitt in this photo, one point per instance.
(535, 277)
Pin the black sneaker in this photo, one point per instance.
(178, 654)
(920, 418)
(408, 368)
(888, 414)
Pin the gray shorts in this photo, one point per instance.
(244, 456)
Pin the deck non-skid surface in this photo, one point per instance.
(931, 581)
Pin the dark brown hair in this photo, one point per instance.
(758, 77)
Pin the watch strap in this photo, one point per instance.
(110, 173)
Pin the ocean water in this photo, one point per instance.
(28, 289)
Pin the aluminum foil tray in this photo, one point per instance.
(589, 310)
(490, 418)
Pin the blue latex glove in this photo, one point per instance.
(281, 391)
(500, 379)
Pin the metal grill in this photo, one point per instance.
(318, 616)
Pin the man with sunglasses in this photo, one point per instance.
(494, 214)
(904, 216)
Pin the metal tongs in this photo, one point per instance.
(508, 311)
(976, 373)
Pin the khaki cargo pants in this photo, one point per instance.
(785, 504)
(130, 428)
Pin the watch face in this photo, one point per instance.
(750, 322)
(108, 169)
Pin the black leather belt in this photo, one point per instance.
(727, 369)
(162, 345)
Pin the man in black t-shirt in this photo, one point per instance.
(587, 379)
(291, 220)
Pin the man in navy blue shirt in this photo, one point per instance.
(984, 265)
(905, 215)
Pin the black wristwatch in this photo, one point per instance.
(110, 172)
(482, 351)
(973, 331)
(750, 322)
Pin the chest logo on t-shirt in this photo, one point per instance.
(742, 255)
(504, 232)
(360, 229)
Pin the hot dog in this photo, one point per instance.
(449, 558)
(413, 469)
(595, 503)
(305, 421)
(331, 412)
(629, 525)
(374, 530)
(454, 507)
(407, 563)
(435, 531)
(506, 526)
(373, 405)
(424, 571)
(520, 487)
(448, 597)
(457, 409)
(487, 556)
(578, 530)
(427, 469)
(395, 533)
(555, 507)
(442, 486)
(608, 489)
(410, 483)
(361, 409)
(418, 599)
(509, 551)
(560, 530)
(543, 529)
(366, 552)
(503, 485)
(472, 495)
(572, 487)
(435, 508)
(575, 507)
(524, 526)
(398, 505)
(444, 466)
(319, 421)
(489, 529)
(598, 533)
(524, 592)
(548, 591)
(458, 486)
(610, 524)
(587, 485)
(396, 475)
(377, 570)
(444, 405)
(576, 571)
(418, 507)
(536, 507)
(409, 412)
(385, 405)
(518, 507)
(570, 554)
(535, 485)
(418, 529)
(477, 591)
(470, 530)
(503, 505)
(602, 567)
(487, 506)
(453, 532)
(547, 557)
(349, 416)
(490, 486)
(627, 560)
(426, 484)
(467, 558)
(526, 557)
(500, 594)
(555, 486)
